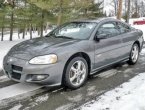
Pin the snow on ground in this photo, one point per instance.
(27, 35)
(128, 96)
(16, 107)
(42, 99)
(17, 90)
(143, 51)
(107, 74)
(4, 78)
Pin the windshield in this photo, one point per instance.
(74, 30)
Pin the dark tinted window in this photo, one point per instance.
(123, 28)
(108, 28)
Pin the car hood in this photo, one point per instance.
(37, 46)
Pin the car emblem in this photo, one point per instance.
(10, 60)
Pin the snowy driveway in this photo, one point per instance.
(39, 98)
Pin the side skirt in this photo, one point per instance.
(108, 65)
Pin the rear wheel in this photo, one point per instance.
(76, 73)
(134, 54)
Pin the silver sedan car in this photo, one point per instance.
(72, 52)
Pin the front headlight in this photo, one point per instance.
(46, 59)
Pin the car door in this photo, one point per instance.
(108, 49)
(127, 35)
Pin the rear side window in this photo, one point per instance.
(109, 25)
(108, 28)
(123, 28)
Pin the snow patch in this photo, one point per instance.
(125, 65)
(143, 51)
(20, 36)
(128, 96)
(108, 73)
(126, 75)
(16, 90)
(129, 70)
(43, 98)
(4, 78)
(91, 88)
(17, 107)
(76, 98)
(64, 107)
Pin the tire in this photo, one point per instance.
(75, 76)
(134, 54)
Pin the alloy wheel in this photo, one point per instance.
(77, 73)
(135, 53)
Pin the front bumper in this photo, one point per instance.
(20, 70)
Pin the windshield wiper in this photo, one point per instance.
(65, 37)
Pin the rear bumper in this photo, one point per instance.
(20, 70)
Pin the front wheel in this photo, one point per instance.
(134, 54)
(76, 73)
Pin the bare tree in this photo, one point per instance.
(142, 9)
(119, 13)
(128, 12)
(12, 21)
(12, 5)
(115, 6)
(60, 12)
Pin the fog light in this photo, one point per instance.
(38, 77)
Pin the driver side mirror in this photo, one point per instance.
(101, 36)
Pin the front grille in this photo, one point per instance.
(16, 72)
(17, 68)
(16, 75)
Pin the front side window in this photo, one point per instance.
(109, 29)
(74, 30)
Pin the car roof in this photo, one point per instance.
(97, 20)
